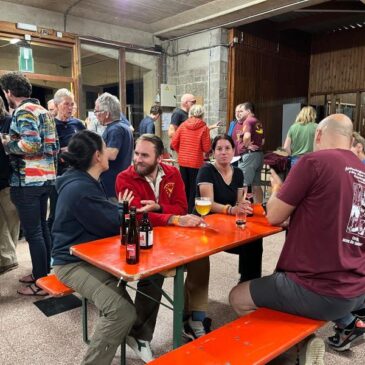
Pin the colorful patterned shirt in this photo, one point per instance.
(34, 146)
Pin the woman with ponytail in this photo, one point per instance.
(83, 213)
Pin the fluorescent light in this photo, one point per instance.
(25, 26)
(14, 40)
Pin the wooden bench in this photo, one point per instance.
(57, 289)
(53, 286)
(253, 339)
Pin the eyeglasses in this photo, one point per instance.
(192, 101)
(98, 111)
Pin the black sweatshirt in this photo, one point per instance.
(83, 213)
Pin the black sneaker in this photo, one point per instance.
(359, 314)
(195, 329)
(343, 338)
(207, 323)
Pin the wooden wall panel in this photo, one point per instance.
(271, 69)
(338, 62)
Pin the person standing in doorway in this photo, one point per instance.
(147, 124)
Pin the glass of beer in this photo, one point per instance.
(203, 205)
(240, 218)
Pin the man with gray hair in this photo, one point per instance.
(66, 126)
(52, 107)
(117, 137)
(321, 270)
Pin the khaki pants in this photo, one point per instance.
(118, 313)
(197, 285)
(9, 229)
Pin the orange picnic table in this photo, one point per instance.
(173, 248)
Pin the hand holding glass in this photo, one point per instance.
(203, 206)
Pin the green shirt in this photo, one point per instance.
(302, 137)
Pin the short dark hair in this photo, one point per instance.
(249, 106)
(219, 137)
(17, 83)
(81, 149)
(155, 109)
(156, 141)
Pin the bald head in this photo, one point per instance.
(187, 100)
(335, 131)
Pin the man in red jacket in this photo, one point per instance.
(159, 190)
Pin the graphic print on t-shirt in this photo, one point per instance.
(356, 224)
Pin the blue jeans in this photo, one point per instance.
(31, 204)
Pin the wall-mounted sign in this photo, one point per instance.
(26, 62)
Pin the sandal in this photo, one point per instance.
(28, 279)
(32, 290)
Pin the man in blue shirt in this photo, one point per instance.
(66, 126)
(147, 124)
(117, 137)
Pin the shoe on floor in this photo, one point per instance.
(195, 329)
(312, 353)
(32, 290)
(141, 348)
(359, 314)
(343, 338)
(27, 279)
(4, 269)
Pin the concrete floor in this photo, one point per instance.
(28, 337)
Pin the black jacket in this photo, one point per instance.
(83, 213)
(4, 159)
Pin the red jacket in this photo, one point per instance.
(172, 197)
(190, 141)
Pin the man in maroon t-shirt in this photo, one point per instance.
(321, 270)
(249, 145)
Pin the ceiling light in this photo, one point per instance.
(14, 40)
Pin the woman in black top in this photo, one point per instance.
(223, 183)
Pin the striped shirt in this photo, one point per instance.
(33, 145)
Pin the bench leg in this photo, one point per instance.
(85, 335)
(178, 306)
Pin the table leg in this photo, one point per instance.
(178, 306)
(85, 330)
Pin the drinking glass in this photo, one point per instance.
(240, 218)
(203, 206)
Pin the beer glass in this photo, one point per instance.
(240, 218)
(203, 206)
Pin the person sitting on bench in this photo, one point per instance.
(83, 213)
(321, 270)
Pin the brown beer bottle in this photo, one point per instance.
(145, 233)
(249, 197)
(132, 245)
(124, 223)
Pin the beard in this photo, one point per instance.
(143, 169)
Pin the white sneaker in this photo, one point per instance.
(141, 348)
(312, 353)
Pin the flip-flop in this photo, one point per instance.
(35, 291)
(28, 279)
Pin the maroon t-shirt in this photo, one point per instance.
(253, 126)
(237, 136)
(325, 247)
